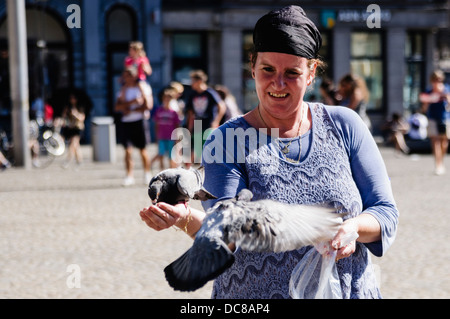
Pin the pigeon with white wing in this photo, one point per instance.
(261, 226)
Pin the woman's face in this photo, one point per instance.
(281, 81)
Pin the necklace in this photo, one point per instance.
(284, 148)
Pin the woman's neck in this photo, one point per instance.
(287, 128)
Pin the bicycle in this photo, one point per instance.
(46, 143)
(6, 151)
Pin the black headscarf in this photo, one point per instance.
(287, 30)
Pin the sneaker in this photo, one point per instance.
(65, 165)
(129, 180)
(147, 178)
(440, 170)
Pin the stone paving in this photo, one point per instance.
(76, 233)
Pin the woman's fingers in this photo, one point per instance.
(346, 251)
(162, 215)
(157, 218)
(345, 240)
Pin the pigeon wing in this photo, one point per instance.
(204, 261)
(187, 182)
(270, 226)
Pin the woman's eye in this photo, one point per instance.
(293, 73)
(268, 69)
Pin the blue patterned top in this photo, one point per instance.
(340, 165)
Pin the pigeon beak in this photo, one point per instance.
(156, 199)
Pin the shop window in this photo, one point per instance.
(313, 94)
(121, 29)
(248, 87)
(120, 25)
(415, 65)
(188, 53)
(49, 56)
(367, 62)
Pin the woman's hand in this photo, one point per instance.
(348, 227)
(364, 225)
(162, 215)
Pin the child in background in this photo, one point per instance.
(166, 120)
(137, 59)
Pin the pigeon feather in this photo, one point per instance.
(175, 185)
(260, 226)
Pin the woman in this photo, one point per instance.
(316, 154)
(134, 123)
(73, 118)
(435, 104)
(353, 93)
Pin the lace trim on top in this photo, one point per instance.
(323, 176)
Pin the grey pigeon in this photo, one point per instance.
(261, 226)
(178, 184)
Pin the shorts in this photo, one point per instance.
(436, 128)
(135, 134)
(69, 132)
(165, 147)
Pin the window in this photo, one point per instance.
(188, 53)
(313, 92)
(49, 56)
(414, 78)
(367, 62)
(248, 87)
(120, 25)
(120, 31)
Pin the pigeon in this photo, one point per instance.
(176, 185)
(261, 226)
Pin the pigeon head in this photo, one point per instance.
(176, 185)
(154, 190)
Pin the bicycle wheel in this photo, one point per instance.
(54, 143)
(42, 158)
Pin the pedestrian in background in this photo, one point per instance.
(138, 60)
(203, 105)
(134, 123)
(328, 92)
(177, 103)
(353, 93)
(73, 116)
(418, 125)
(232, 109)
(395, 130)
(166, 121)
(435, 103)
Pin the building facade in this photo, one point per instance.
(81, 44)
(393, 45)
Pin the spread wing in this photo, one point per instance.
(270, 226)
(204, 261)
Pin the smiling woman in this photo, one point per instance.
(322, 155)
(281, 82)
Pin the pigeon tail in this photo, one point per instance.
(198, 265)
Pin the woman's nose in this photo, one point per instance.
(279, 82)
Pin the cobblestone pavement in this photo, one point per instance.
(57, 223)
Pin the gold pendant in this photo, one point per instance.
(285, 150)
(291, 160)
